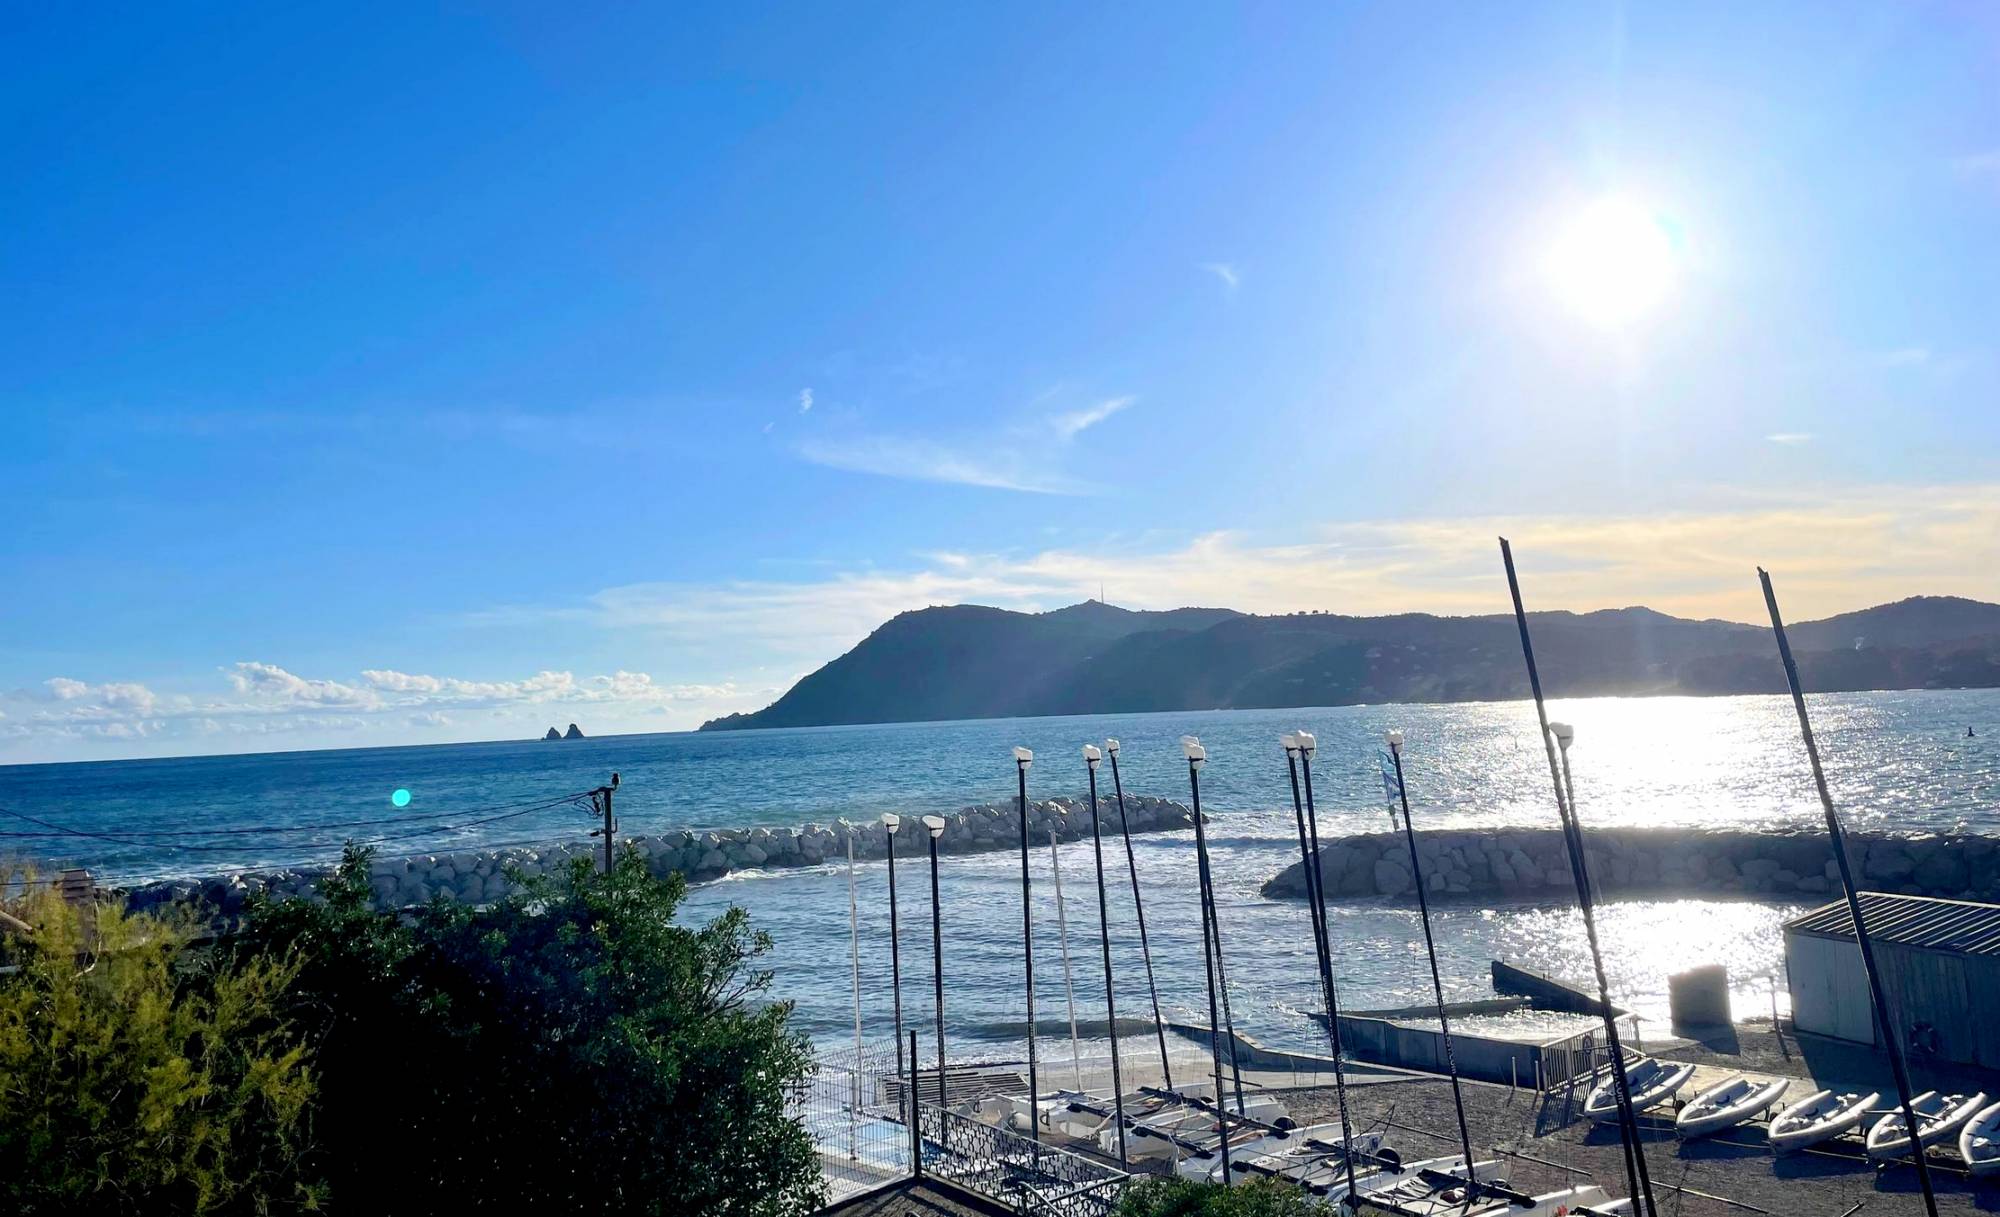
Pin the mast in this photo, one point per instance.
(1322, 948)
(890, 823)
(1139, 909)
(1211, 952)
(1022, 759)
(1091, 759)
(854, 941)
(1886, 1016)
(1628, 1122)
(1069, 984)
(1395, 742)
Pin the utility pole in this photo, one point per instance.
(601, 798)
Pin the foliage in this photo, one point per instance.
(570, 1049)
(138, 1077)
(1173, 1196)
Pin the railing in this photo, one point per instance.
(1013, 1169)
(857, 1126)
(1576, 1059)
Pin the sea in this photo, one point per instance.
(1900, 761)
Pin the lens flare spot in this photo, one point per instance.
(401, 798)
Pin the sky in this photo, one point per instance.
(379, 374)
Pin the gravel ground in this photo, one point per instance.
(1731, 1176)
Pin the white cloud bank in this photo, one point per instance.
(256, 701)
(1828, 554)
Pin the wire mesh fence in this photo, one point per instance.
(859, 1128)
(1016, 1170)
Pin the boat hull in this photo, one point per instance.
(1726, 1105)
(1820, 1116)
(1979, 1142)
(1938, 1117)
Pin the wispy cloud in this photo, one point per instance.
(928, 461)
(1225, 273)
(805, 401)
(1833, 552)
(1792, 438)
(1068, 426)
(1904, 357)
(1983, 165)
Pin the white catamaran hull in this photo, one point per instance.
(1154, 1137)
(1317, 1140)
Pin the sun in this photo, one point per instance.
(1612, 263)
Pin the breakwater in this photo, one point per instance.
(1531, 864)
(480, 876)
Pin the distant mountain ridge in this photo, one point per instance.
(970, 661)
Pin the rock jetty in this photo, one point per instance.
(479, 876)
(1530, 864)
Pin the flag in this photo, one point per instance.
(1391, 789)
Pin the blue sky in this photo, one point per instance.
(371, 375)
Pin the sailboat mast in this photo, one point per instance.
(1091, 759)
(854, 942)
(1069, 983)
(1322, 948)
(1395, 742)
(1211, 948)
(1628, 1122)
(1891, 1036)
(1022, 759)
(1139, 911)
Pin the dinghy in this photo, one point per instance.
(1727, 1104)
(1651, 1081)
(1938, 1117)
(1820, 1116)
(1979, 1142)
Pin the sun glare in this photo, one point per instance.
(1612, 263)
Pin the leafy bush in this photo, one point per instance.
(572, 1049)
(1178, 1197)
(137, 1077)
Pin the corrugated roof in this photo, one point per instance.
(1918, 921)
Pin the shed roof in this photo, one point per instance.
(1918, 921)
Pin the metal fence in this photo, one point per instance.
(1576, 1059)
(857, 1112)
(856, 1124)
(1032, 1178)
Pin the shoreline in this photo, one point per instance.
(478, 876)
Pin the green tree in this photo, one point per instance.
(573, 1048)
(136, 1076)
(1172, 1196)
